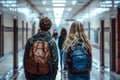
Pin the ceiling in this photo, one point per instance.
(59, 10)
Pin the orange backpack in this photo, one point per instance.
(39, 58)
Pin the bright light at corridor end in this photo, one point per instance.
(58, 15)
(58, 11)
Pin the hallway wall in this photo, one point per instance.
(8, 30)
(95, 27)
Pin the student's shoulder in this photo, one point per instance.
(52, 42)
(31, 39)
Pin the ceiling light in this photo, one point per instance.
(105, 5)
(69, 9)
(58, 14)
(74, 2)
(44, 2)
(2, 2)
(110, 2)
(116, 2)
(10, 1)
(55, 1)
(26, 11)
(14, 5)
(58, 4)
(107, 2)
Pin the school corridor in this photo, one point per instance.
(19, 20)
(96, 73)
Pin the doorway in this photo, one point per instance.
(0, 36)
(107, 48)
(23, 34)
(112, 45)
(102, 65)
(15, 55)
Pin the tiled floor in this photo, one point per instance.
(6, 68)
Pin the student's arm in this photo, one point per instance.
(90, 56)
(67, 56)
(54, 55)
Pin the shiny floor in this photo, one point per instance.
(6, 68)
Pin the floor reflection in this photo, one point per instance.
(96, 74)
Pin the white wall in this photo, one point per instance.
(8, 35)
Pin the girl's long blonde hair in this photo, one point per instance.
(76, 32)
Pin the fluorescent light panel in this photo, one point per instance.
(25, 11)
(55, 1)
(58, 11)
(109, 3)
(58, 14)
(74, 2)
(116, 2)
(44, 2)
(58, 4)
(8, 2)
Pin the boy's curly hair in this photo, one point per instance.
(45, 23)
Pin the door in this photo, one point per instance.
(0, 37)
(15, 57)
(112, 45)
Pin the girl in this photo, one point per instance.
(61, 40)
(76, 34)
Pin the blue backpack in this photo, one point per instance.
(80, 60)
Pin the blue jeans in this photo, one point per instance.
(79, 77)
